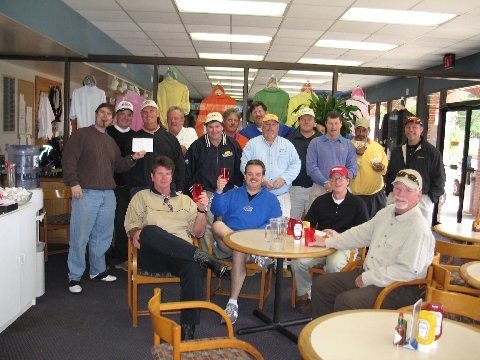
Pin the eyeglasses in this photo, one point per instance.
(410, 176)
(335, 179)
(167, 202)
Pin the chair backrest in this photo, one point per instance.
(355, 259)
(455, 303)
(451, 280)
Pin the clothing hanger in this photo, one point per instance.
(171, 74)
(307, 87)
(272, 82)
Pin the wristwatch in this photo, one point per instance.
(203, 212)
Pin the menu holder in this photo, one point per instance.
(411, 342)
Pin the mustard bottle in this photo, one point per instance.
(425, 333)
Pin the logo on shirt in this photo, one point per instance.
(227, 153)
(247, 208)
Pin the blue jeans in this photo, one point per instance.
(91, 223)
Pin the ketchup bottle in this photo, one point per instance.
(437, 309)
(297, 229)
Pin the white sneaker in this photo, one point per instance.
(74, 287)
(103, 277)
(232, 312)
(263, 261)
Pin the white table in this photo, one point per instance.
(470, 272)
(461, 232)
(368, 334)
(253, 242)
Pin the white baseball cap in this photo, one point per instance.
(149, 103)
(124, 105)
(214, 116)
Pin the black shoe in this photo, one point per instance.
(208, 260)
(187, 332)
(74, 287)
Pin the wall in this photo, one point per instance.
(23, 73)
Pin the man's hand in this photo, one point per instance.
(378, 166)
(277, 184)
(138, 155)
(327, 186)
(77, 192)
(136, 239)
(361, 150)
(330, 232)
(359, 282)
(203, 201)
(221, 182)
(268, 184)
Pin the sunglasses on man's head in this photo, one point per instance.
(410, 176)
(414, 119)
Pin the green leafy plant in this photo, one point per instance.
(323, 104)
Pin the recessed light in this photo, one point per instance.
(226, 77)
(309, 73)
(230, 56)
(232, 7)
(219, 68)
(355, 45)
(257, 39)
(405, 17)
(330, 62)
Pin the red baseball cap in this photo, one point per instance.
(342, 170)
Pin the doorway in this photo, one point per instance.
(461, 159)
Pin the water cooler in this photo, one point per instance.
(37, 202)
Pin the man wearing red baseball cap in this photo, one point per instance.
(339, 210)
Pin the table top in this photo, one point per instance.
(458, 232)
(470, 272)
(368, 334)
(253, 242)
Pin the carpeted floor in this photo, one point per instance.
(96, 324)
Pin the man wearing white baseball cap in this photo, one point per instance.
(164, 143)
(205, 157)
(121, 132)
(401, 247)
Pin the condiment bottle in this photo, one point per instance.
(437, 309)
(425, 329)
(399, 335)
(298, 230)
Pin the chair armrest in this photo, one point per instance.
(395, 285)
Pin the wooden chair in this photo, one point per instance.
(261, 296)
(354, 262)
(455, 254)
(55, 222)
(397, 284)
(167, 330)
(137, 277)
(457, 306)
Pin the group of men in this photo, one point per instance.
(274, 171)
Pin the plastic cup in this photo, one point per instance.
(197, 190)
(291, 222)
(309, 235)
(225, 173)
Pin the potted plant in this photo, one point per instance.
(323, 104)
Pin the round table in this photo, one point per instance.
(253, 242)
(470, 272)
(368, 334)
(458, 232)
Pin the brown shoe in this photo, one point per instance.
(286, 273)
(303, 304)
(252, 272)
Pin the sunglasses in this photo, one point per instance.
(409, 176)
(415, 120)
(167, 202)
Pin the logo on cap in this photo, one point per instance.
(214, 116)
(124, 105)
(149, 103)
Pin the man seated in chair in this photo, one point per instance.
(401, 247)
(339, 210)
(250, 206)
(160, 224)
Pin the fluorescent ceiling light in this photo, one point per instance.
(232, 7)
(219, 68)
(299, 80)
(355, 45)
(230, 56)
(330, 62)
(227, 84)
(299, 85)
(257, 39)
(405, 17)
(309, 73)
(226, 77)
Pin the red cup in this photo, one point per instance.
(197, 190)
(309, 235)
(291, 222)
(225, 173)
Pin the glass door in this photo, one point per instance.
(461, 159)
